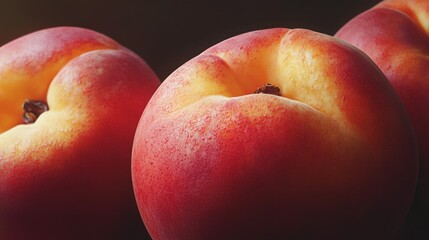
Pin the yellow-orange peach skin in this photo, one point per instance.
(67, 175)
(333, 157)
(395, 35)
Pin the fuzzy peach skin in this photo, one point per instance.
(67, 176)
(395, 35)
(333, 157)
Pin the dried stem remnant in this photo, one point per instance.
(33, 109)
(268, 89)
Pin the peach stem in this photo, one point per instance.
(268, 88)
(33, 109)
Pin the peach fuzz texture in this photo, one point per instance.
(211, 160)
(67, 176)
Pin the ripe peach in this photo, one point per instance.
(278, 133)
(395, 35)
(66, 174)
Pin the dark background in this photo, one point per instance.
(167, 33)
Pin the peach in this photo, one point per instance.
(65, 158)
(395, 35)
(275, 134)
